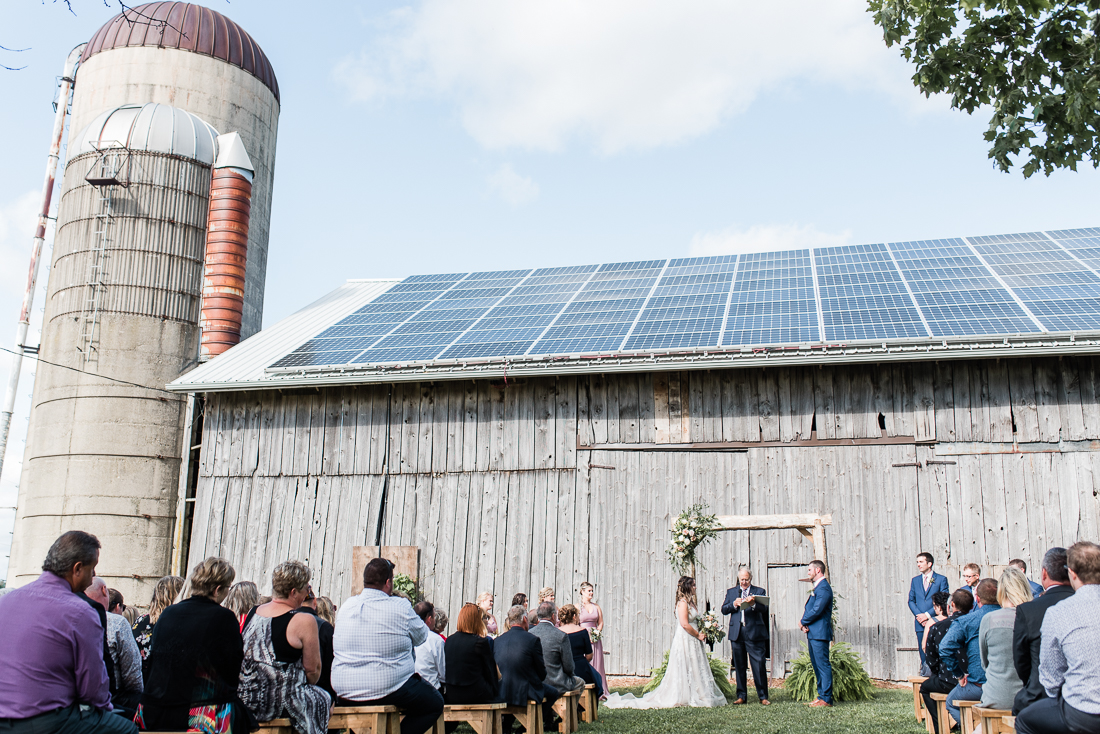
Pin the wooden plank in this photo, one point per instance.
(1022, 393)
(728, 388)
(235, 540)
(521, 533)
(924, 403)
(498, 397)
(647, 407)
(485, 427)
(768, 392)
(316, 432)
(259, 529)
(316, 525)
(746, 407)
(864, 420)
(364, 434)
(305, 501)
(774, 522)
(565, 436)
(786, 403)
(350, 398)
(696, 409)
(408, 444)
(552, 528)
(823, 402)
(1046, 400)
(585, 434)
(1035, 476)
(270, 449)
(628, 408)
(712, 406)
(467, 531)
(973, 526)
(223, 438)
(964, 412)
(980, 400)
(903, 400)
(519, 434)
(302, 429)
(597, 406)
(611, 408)
(943, 392)
(934, 499)
(442, 426)
(1018, 537)
(236, 436)
(455, 427)
(567, 528)
(472, 433)
(447, 558)
(350, 499)
(250, 449)
(994, 510)
(544, 396)
(1070, 411)
(675, 409)
(687, 405)
(330, 444)
(211, 417)
(425, 432)
(486, 556)
(882, 397)
(1000, 402)
(1090, 392)
(215, 523)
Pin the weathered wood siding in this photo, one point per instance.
(552, 481)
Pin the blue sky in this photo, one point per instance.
(453, 135)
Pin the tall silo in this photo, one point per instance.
(155, 87)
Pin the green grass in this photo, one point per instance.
(889, 712)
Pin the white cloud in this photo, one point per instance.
(764, 238)
(512, 187)
(625, 74)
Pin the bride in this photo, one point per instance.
(688, 680)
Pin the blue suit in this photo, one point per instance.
(920, 602)
(818, 617)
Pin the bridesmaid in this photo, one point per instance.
(592, 617)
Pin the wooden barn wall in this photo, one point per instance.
(552, 481)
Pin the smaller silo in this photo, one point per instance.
(122, 320)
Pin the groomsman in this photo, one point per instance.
(817, 623)
(926, 583)
(748, 635)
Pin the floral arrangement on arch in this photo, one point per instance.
(403, 584)
(710, 625)
(692, 528)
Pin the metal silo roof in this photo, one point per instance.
(156, 128)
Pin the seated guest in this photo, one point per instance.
(56, 668)
(471, 669)
(962, 638)
(940, 600)
(971, 573)
(326, 610)
(961, 602)
(519, 600)
(523, 667)
(995, 641)
(195, 661)
(116, 604)
(1036, 589)
(282, 656)
(164, 593)
(242, 599)
(125, 658)
(556, 651)
(1069, 665)
(580, 642)
(441, 621)
(546, 594)
(312, 606)
(485, 601)
(1027, 632)
(375, 664)
(431, 664)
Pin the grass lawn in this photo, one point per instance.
(891, 712)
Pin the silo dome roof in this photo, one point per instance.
(187, 27)
(157, 128)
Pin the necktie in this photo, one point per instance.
(926, 583)
(744, 595)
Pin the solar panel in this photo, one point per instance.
(1062, 292)
(863, 295)
(956, 293)
(687, 307)
(772, 301)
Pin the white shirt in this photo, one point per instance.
(1069, 656)
(373, 645)
(431, 662)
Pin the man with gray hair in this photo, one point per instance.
(122, 649)
(522, 667)
(1027, 632)
(557, 653)
(54, 679)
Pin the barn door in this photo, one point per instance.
(788, 596)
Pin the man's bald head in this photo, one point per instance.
(97, 592)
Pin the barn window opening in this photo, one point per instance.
(813, 424)
(882, 422)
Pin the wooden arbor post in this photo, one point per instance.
(810, 525)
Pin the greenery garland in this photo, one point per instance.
(694, 527)
(403, 583)
(718, 669)
(850, 680)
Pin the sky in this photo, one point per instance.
(456, 135)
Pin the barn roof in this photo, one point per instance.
(967, 297)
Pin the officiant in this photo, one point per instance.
(749, 635)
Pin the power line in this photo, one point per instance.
(92, 374)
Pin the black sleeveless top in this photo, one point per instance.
(284, 651)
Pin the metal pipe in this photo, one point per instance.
(68, 79)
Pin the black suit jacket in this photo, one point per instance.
(1026, 639)
(471, 670)
(325, 631)
(518, 654)
(756, 625)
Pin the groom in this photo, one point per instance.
(817, 623)
(748, 635)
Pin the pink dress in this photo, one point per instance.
(591, 619)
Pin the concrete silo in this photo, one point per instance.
(156, 87)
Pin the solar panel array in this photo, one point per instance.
(975, 286)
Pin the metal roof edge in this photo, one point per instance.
(879, 351)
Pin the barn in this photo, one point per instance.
(539, 428)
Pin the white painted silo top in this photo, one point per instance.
(156, 128)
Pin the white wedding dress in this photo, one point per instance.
(687, 682)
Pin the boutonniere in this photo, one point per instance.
(813, 593)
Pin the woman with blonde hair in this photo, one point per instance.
(326, 610)
(195, 662)
(164, 593)
(591, 617)
(485, 603)
(241, 599)
(282, 656)
(995, 641)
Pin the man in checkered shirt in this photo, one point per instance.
(1069, 658)
(374, 663)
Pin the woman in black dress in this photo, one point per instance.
(472, 675)
(569, 620)
(195, 661)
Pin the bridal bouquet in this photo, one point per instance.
(710, 624)
(595, 635)
(692, 528)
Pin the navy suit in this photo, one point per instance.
(748, 640)
(818, 617)
(518, 654)
(920, 602)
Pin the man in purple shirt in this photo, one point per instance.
(53, 678)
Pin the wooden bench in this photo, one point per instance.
(483, 717)
(566, 708)
(363, 719)
(918, 702)
(589, 704)
(1009, 723)
(943, 719)
(529, 716)
(276, 726)
(992, 720)
(966, 716)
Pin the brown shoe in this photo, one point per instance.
(739, 702)
(820, 704)
(765, 702)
